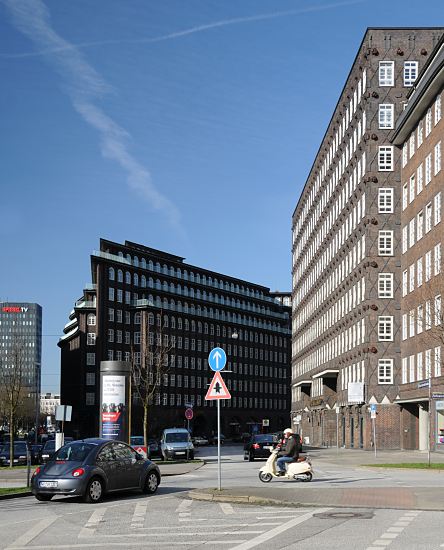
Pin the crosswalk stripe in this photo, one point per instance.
(29, 535)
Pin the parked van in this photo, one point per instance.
(176, 443)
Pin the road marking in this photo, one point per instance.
(394, 531)
(226, 508)
(100, 544)
(139, 514)
(381, 542)
(221, 525)
(90, 526)
(277, 530)
(27, 537)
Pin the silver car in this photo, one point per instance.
(176, 443)
(92, 468)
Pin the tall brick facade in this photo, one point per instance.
(347, 254)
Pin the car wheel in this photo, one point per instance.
(151, 483)
(94, 491)
(251, 457)
(43, 498)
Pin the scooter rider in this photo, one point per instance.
(289, 453)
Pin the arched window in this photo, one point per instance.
(143, 263)
(136, 261)
(198, 294)
(192, 292)
(197, 278)
(158, 285)
(165, 319)
(165, 303)
(120, 254)
(185, 291)
(136, 279)
(143, 281)
(150, 319)
(191, 276)
(128, 257)
(187, 323)
(171, 287)
(137, 318)
(179, 289)
(204, 280)
(179, 306)
(120, 276)
(158, 267)
(128, 277)
(165, 269)
(172, 305)
(91, 319)
(165, 286)
(185, 308)
(178, 273)
(150, 265)
(185, 275)
(193, 323)
(111, 274)
(199, 327)
(150, 282)
(171, 271)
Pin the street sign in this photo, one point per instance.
(373, 410)
(437, 395)
(188, 405)
(189, 414)
(63, 413)
(141, 450)
(217, 359)
(217, 389)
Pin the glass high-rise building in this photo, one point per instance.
(21, 340)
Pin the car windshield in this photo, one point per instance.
(177, 437)
(18, 448)
(49, 445)
(74, 452)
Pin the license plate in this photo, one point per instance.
(48, 484)
(180, 453)
(268, 447)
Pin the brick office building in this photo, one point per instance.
(419, 134)
(200, 309)
(346, 253)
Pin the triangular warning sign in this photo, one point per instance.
(217, 389)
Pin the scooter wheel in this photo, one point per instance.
(265, 477)
(308, 477)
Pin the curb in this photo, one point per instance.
(16, 495)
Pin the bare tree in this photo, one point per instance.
(14, 391)
(150, 365)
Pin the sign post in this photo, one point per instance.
(373, 417)
(337, 427)
(217, 359)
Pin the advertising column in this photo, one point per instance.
(115, 381)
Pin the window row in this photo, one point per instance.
(387, 73)
(422, 366)
(422, 224)
(423, 269)
(424, 317)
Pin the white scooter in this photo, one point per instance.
(301, 469)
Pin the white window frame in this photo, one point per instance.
(385, 285)
(385, 328)
(385, 158)
(386, 116)
(410, 72)
(385, 242)
(437, 163)
(386, 73)
(386, 200)
(385, 371)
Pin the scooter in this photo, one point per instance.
(299, 470)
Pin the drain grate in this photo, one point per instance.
(344, 515)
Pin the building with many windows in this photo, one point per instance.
(21, 345)
(346, 253)
(419, 134)
(196, 310)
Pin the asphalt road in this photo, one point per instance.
(169, 519)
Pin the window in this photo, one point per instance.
(419, 272)
(405, 195)
(428, 265)
(412, 145)
(111, 274)
(420, 134)
(90, 379)
(110, 335)
(419, 225)
(386, 73)
(437, 201)
(404, 326)
(419, 318)
(386, 115)
(428, 169)
(428, 363)
(438, 109)
(410, 72)
(438, 313)
(412, 278)
(90, 359)
(412, 323)
(419, 179)
(428, 315)
(385, 158)
(91, 320)
(412, 189)
(437, 158)
(385, 243)
(438, 361)
(385, 285)
(404, 282)
(428, 217)
(89, 398)
(385, 371)
(412, 232)
(111, 294)
(404, 155)
(437, 263)
(90, 339)
(385, 328)
(385, 200)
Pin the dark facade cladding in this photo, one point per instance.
(346, 339)
(200, 309)
(21, 340)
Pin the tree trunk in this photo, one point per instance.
(145, 426)
(11, 438)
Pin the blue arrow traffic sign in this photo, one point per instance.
(217, 359)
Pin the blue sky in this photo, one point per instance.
(186, 126)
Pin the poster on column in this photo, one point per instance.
(113, 407)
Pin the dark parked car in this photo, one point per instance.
(20, 450)
(48, 449)
(93, 467)
(154, 448)
(259, 446)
